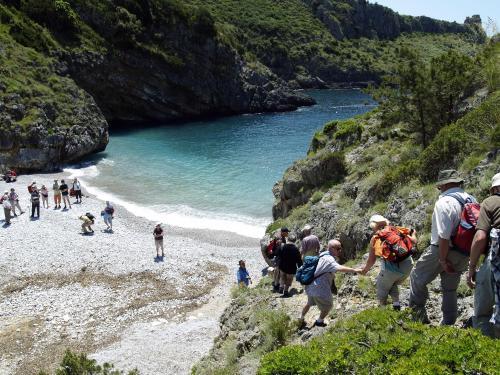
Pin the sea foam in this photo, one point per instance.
(181, 216)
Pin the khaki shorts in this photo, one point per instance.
(324, 305)
(286, 278)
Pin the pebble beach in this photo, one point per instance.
(103, 294)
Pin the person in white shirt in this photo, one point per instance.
(440, 258)
(319, 292)
(78, 190)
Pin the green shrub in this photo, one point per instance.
(317, 196)
(57, 15)
(276, 327)
(380, 341)
(80, 364)
(348, 128)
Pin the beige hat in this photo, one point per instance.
(448, 176)
(375, 219)
(495, 181)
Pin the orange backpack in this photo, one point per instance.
(393, 243)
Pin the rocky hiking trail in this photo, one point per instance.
(104, 295)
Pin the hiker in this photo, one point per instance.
(483, 280)
(158, 235)
(77, 190)
(10, 176)
(394, 268)
(88, 220)
(35, 202)
(6, 207)
(65, 194)
(57, 194)
(441, 257)
(45, 196)
(289, 260)
(278, 245)
(32, 187)
(14, 202)
(310, 243)
(242, 276)
(107, 215)
(319, 290)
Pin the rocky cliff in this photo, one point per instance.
(83, 63)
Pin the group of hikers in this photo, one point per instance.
(461, 231)
(61, 194)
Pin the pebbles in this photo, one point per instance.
(105, 294)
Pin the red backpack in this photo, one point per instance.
(466, 230)
(393, 243)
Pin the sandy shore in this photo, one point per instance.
(104, 294)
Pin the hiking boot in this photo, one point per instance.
(302, 324)
(286, 294)
(319, 324)
(281, 290)
(396, 307)
(276, 289)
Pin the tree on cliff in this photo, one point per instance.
(426, 95)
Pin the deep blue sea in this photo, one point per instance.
(214, 174)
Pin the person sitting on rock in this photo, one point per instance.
(88, 220)
(289, 261)
(242, 276)
(319, 291)
(310, 244)
(392, 271)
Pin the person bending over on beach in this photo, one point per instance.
(57, 194)
(65, 194)
(158, 235)
(88, 220)
(107, 215)
(14, 202)
(45, 196)
(242, 276)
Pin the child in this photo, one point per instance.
(242, 275)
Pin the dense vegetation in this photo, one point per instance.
(380, 341)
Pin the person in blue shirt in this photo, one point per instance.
(242, 275)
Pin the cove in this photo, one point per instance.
(213, 174)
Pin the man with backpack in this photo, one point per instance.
(318, 289)
(289, 260)
(443, 257)
(484, 280)
(394, 246)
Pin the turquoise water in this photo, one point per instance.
(216, 173)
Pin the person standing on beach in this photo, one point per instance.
(45, 196)
(65, 194)
(158, 235)
(14, 202)
(57, 194)
(35, 203)
(6, 207)
(78, 190)
(108, 216)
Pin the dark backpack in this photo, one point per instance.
(90, 216)
(466, 230)
(305, 273)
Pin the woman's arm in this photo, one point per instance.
(371, 258)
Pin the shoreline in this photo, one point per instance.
(104, 294)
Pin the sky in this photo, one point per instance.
(450, 10)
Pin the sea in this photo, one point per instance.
(213, 174)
